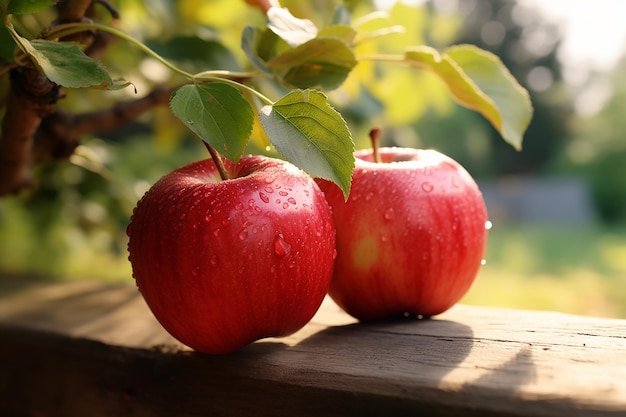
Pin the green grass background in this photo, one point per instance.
(574, 270)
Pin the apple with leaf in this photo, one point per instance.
(237, 247)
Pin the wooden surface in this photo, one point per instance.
(90, 349)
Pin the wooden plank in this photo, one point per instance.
(94, 349)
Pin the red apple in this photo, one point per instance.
(410, 238)
(224, 263)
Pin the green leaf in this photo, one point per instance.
(258, 45)
(309, 133)
(344, 32)
(320, 62)
(64, 63)
(196, 53)
(29, 6)
(478, 80)
(218, 113)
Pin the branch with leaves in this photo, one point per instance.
(220, 106)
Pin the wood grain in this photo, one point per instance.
(86, 348)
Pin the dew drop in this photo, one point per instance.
(488, 225)
(389, 214)
(216, 232)
(483, 262)
(243, 235)
(283, 193)
(213, 260)
(427, 186)
(285, 205)
(291, 200)
(239, 206)
(269, 190)
(264, 197)
(369, 196)
(269, 180)
(281, 247)
(208, 218)
(195, 271)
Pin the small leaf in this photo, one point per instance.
(293, 30)
(478, 80)
(29, 6)
(320, 62)
(218, 113)
(259, 45)
(65, 64)
(196, 52)
(344, 32)
(312, 135)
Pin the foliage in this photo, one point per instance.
(297, 55)
(243, 81)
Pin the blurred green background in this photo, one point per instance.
(558, 207)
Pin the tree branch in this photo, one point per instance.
(60, 133)
(31, 107)
(32, 98)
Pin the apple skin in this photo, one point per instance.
(410, 238)
(224, 263)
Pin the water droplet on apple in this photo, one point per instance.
(483, 262)
(389, 214)
(216, 232)
(208, 218)
(283, 193)
(488, 225)
(291, 200)
(269, 190)
(195, 271)
(285, 205)
(243, 235)
(213, 260)
(281, 247)
(369, 196)
(239, 206)
(426, 186)
(264, 197)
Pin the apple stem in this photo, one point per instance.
(217, 160)
(374, 138)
